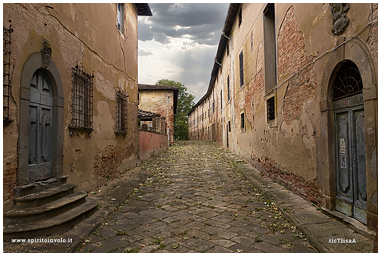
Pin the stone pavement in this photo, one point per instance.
(196, 200)
(202, 198)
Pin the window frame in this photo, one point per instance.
(121, 112)
(82, 100)
(241, 75)
(120, 17)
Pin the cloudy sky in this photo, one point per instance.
(179, 42)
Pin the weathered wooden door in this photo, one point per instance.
(40, 128)
(351, 193)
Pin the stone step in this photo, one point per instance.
(44, 197)
(55, 225)
(45, 211)
(39, 186)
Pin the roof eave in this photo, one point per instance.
(143, 9)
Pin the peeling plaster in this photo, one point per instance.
(104, 86)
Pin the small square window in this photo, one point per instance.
(271, 109)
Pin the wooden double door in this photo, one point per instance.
(351, 191)
(40, 127)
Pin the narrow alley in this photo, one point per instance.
(196, 200)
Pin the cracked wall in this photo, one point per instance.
(76, 34)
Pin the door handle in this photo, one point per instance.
(47, 124)
(32, 122)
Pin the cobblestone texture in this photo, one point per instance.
(196, 200)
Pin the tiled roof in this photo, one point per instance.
(156, 87)
(175, 90)
(146, 114)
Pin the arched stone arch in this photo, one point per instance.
(33, 63)
(356, 51)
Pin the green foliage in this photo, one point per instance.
(184, 105)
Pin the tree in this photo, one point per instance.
(184, 105)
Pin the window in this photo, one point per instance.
(348, 81)
(6, 73)
(240, 17)
(121, 111)
(230, 129)
(228, 83)
(241, 69)
(269, 47)
(242, 121)
(271, 109)
(221, 99)
(227, 48)
(121, 17)
(82, 99)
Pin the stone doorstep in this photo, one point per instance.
(14, 231)
(263, 184)
(84, 228)
(39, 198)
(351, 223)
(51, 209)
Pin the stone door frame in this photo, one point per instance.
(357, 52)
(34, 63)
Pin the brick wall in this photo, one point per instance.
(307, 190)
(292, 61)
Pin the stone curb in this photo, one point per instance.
(112, 195)
(265, 185)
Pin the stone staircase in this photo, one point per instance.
(46, 207)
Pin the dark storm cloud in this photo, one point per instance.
(196, 67)
(202, 22)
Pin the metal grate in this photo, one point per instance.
(121, 111)
(271, 109)
(82, 99)
(348, 81)
(7, 40)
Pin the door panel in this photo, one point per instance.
(45, 135)
(32, 156)
(344, 187)
(350, 159)
(40, 128)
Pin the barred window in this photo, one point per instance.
(6, 72)
(121, 111)
(82, 99)
(271, 109)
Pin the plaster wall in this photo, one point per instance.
(296, 147)
(151, 144)
(75, 34)
(159, 102)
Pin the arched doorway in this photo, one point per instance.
(350, 152)
(40, 145)
(40, 127)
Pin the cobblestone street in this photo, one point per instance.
(196, 200)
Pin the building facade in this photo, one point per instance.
(70, 92)
(294, 91)
(163, 101)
